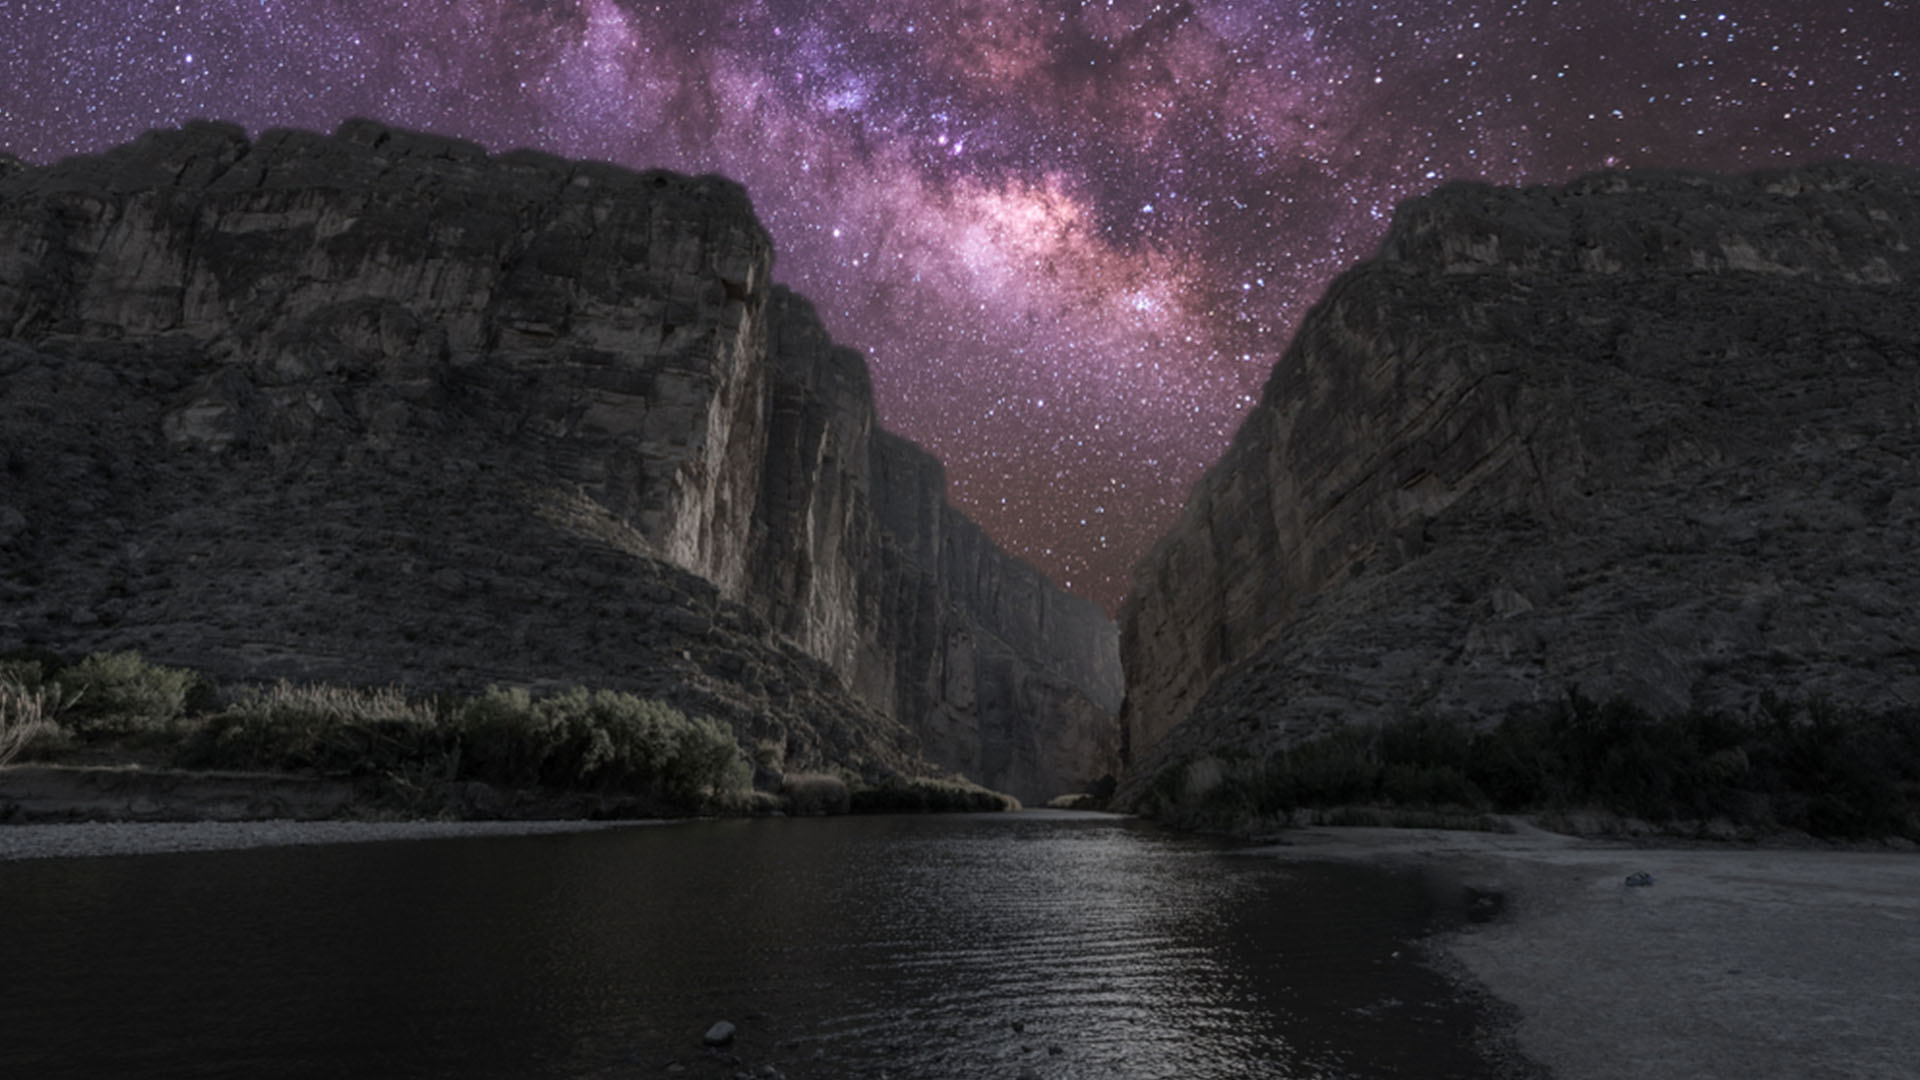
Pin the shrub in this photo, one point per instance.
(330, 729)
(497, 738)
(602, 739)
(23, 673)
(1811, 767)
(1429, 785)
(29, 710)
(122, 694)
(814, 794)
(1808, 766)
(1342, 767)
(579, 739)
(925, 794)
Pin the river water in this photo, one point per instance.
(926, 947)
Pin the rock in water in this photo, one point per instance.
(720, 1034)
(381, 407)
(1649, 435)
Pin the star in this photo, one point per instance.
(1072, 237)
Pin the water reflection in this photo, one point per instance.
(937, 947)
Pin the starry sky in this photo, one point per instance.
(1072, 237)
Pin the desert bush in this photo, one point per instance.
(926, 794)
(1341, 767)
(602, 739)
(120, 693)
(29, 710)
(1405, 784)
(1809, 766)
(578, 739)
(814, 794)
(1402, 818)
(1805, 766)
(23, 672)
(329, 729)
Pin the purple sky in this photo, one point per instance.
(1071, 237)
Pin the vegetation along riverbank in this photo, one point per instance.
(1784, 769)
(111, 736)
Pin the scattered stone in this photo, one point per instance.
(720, 1034)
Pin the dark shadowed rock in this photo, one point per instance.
(865, 564)
(377, 406)
(1647, 435)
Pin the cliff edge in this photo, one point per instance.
(1650, 435)
(379, 406)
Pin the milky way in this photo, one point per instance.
(1071, 237)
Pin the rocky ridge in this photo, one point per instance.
(379, 406)
(1646, 435)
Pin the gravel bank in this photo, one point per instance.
(1734, 963)
(148, 838)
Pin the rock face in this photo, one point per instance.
(865, 565)
(1645, 435)
(378, 406)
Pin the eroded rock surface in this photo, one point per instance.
(1650, 435)
(378, 406)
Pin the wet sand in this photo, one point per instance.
(1736, 962)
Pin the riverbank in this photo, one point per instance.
(143, 792)
(86, 839)
(1735, 962)
(38, 794)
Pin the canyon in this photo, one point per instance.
(380, 407)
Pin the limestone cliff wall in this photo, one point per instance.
(1655, 435)
(862, 560)
(378, 405)
(613, 312)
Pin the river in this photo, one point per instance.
(936, 947)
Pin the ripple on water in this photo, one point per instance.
(948, 948)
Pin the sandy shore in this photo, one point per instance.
(147, 838)
(1736, 962)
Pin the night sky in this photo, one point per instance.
(1071, 237)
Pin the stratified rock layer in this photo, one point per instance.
(378, 406)
(1655, 436)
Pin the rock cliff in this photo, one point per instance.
(379, 406)
(1648, 435)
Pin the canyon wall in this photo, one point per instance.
(1648, 435)
(379, 406)
(862, 561)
